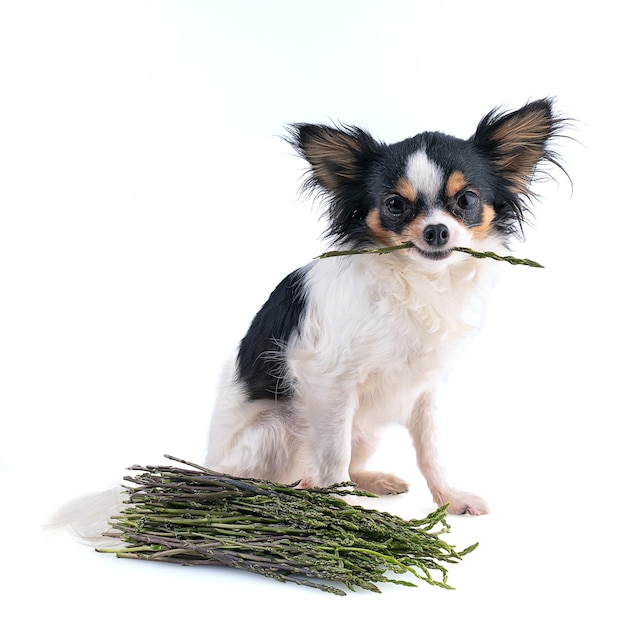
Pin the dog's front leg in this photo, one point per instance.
(328, 414)
(421, 426)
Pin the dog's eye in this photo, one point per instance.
(395, 205)
(468, 201)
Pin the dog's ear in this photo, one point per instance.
(518, 142)
(341, 161)
(338, 156)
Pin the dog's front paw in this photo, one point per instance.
(379, 483)
(462, 503)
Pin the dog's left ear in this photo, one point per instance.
(517, 142)
(339, 157)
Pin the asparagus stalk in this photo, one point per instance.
(408, 244)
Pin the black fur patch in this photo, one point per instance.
(260, 360)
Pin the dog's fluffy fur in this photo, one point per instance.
(347, 345)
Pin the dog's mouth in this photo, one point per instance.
(434, 255)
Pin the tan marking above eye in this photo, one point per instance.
(405, 189)
(455, 183)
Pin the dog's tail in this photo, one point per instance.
(87, 517)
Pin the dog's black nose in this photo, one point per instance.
(436, 235)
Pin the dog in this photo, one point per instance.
(350, 344)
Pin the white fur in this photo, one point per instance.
(377, 340)
(425, 175)
(87, 517)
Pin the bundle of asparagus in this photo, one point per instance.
(192, 516)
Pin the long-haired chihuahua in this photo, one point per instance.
(347, 345)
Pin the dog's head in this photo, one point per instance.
(432, 190)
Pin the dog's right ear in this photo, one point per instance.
(519, 142)
(339, 157)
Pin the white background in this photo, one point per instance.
(147, 209)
